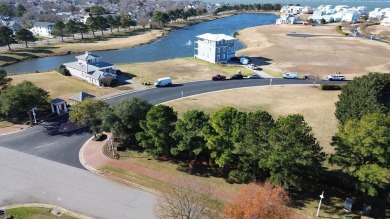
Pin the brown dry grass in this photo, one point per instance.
(323, 53)
(180, 70)
(315, 105)
(61, 86)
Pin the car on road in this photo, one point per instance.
(218, 77)
(236, 77)
(291, 75)
(254, 76)
(335, 77)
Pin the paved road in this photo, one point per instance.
(46, 141)
(30, 179)
(26, 177)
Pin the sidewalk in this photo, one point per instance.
(92, 157)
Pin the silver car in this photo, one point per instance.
(254, 76)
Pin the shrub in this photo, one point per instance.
(63, 70)
(236, 176)
(340, 31)
(331, 86)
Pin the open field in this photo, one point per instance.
(316, 50)
(315, 105)
(180, 70)
(61, 86)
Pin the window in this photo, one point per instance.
(223, 56)
(218, 58)
(218, 50)
(224, 49)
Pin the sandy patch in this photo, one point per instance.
(316, 50)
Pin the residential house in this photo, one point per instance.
(215, 48)
(385, 21)
(81, 96)
(90, 67)
(287, 19)
(14, 23)
(42, 29)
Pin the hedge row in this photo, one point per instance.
(331, 86)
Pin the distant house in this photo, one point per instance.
(214, 48)
(90, 67)
(385, 21)
(42, 29)
(14, 23)
(287, 19)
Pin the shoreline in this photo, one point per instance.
(156, 34)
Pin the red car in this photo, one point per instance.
(218, 77)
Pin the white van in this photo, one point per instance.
(163, 82)
(290, 75)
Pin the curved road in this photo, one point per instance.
(60, 179)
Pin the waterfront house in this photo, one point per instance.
(385, 21)
(214, 48)
(42, 29)
(90, 67)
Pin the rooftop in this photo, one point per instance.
(215, 37)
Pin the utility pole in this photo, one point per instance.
(319, 205)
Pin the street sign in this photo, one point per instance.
(348, 204)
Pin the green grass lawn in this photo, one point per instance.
(34, 213)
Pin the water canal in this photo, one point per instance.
(176, 44)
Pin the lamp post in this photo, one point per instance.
(319, 205)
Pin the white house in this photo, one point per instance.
(385, 21)
(214, 48)
(89, 67)
(42, 29)
(287, 19)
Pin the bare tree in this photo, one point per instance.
(185, 200)
(313, 79)
(143, 20)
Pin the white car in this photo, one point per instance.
(254, 76)
(335, 77)
(291, 75)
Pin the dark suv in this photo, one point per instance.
(218, 77)
(236, 77)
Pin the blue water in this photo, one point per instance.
(174, 45)
(370, 4)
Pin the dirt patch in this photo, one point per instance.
(316, 50)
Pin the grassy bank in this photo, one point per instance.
(108, 41)
(34, 213)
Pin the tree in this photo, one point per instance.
(126, 21)
(6, 10)
(323, 21)
(116, 22)
(185, 200)
(92, 24)
(295, 157)
(24, 35)
(259, 201)
(82, 28)
(313, 79)
(4, 80)
(101, 23)
(156, 132)
(362, 150)
(97, 10)
(160, 17)
(110, 22)
(364, 95)
(123, 118)
(59, 29)
(19, 10)
(71, 27)
(225, 128)
(20, 98)
(143, 20)
(255, 147)
(89, 113)
(6, 36)
(188, 133)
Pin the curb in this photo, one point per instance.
(82, 161)
(8, 133)
(61, 209)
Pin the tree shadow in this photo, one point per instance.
(5, 58)
(42, 49)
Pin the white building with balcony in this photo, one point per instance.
(214, 48)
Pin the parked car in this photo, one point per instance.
(163, 82)
(335, 77)
(236, 77)
(254, 76)
(291, 75)
(218, 77)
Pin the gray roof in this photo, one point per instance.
(86, 56)
(81, 96)
(57, 101)
(43, 24)
(91, 67)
